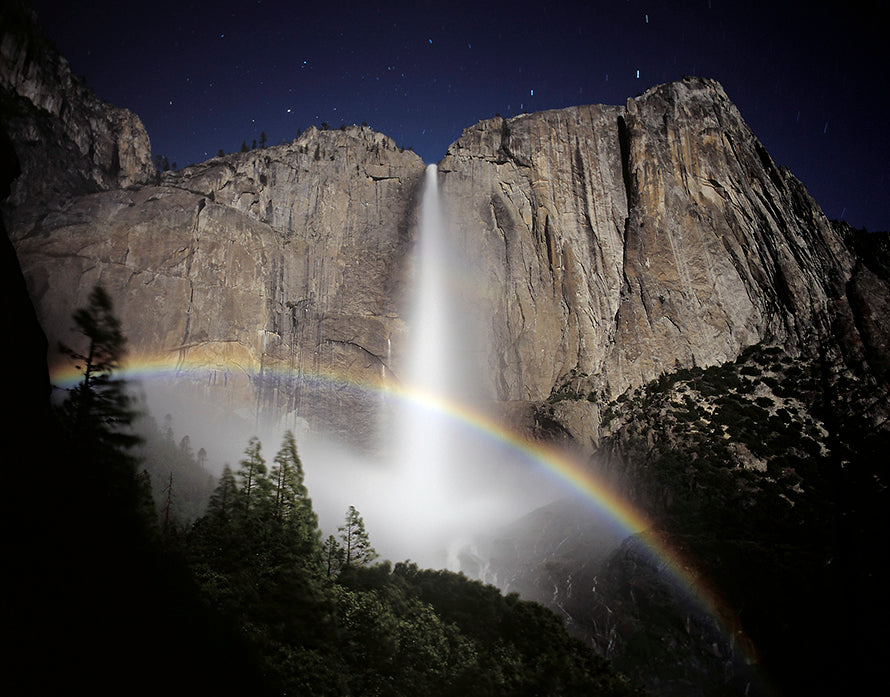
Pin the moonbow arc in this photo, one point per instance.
(569, 469)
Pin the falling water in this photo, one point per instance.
(430, 366)
(432, 369)
(447, 482)
(441, 493)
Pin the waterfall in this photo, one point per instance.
(434, 368)
(450, 481)
(440, 461)
(432, 372)
(430, 364)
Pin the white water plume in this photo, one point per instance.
(452, 481)
(426, 445)
(423, 445)
(449, 478)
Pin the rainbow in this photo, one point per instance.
(566, 467)
(560, 464)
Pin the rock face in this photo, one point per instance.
(616, 244)
(68, 142)
(276, 274)
(278, 271)
(539, 203)
(603, 246)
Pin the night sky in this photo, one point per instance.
(810, 81)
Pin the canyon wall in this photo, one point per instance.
(603, 246)
(270, 280)
(614, 244)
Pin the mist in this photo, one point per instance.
(421, 507)
(439, 483)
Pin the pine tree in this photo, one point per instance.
(111, 506)
(98, 411)
(291, 496)
(168, 504)
(215, 539)
(333, 556)
(223, 500)
(356, 542)
(292, 507)
(185, 446)
(253, 476)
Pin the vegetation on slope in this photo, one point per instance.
(247, 599)
(770, 472)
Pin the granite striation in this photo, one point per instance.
(615, 244)
(67, 141)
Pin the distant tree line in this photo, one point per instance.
(263, 140)
(162, 164)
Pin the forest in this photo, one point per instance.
(112, 593)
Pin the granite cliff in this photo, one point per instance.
(618, 242)
(664, 295)
(67, 141)
(625, 242)
(277, 273)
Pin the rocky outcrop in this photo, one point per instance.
(723, 249)
(765, 474)
(68, 142)
(615, 244)
(277, 272)
(623, 247)
(538, 203)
